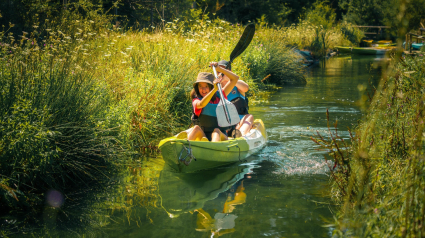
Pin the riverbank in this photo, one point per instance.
(379, 181)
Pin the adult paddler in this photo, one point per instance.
(238, 98)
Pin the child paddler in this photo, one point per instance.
(238, 98)
(205, 99)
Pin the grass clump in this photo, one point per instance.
(380, 179)
(50, 122)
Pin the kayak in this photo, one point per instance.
(417, 46)
(370, 50)
(187, 156)
(343, 49)
(387, 42)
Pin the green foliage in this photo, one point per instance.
(317, 39)
(29, 15)
(321, 14)
(352, 34)
(380, 178)
(385, 13)
(275, 11)
(48, 125)
(412, 12)
(363, 12)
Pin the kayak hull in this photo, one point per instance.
(342, 49)
(369, 51)
(417, 46)
(190, 156)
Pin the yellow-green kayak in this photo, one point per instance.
(371, 50)
(343, 49)
(189, 156)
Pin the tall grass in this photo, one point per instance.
(50, 124)
(380, 180)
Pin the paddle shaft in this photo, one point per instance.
(220, 91)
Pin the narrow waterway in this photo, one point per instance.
(283, 191)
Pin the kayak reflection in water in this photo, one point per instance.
(204, 101)
(238, 98)
(222, 223)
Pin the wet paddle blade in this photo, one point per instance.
(227, 115)
(243, 43)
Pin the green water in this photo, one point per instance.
(283, 191)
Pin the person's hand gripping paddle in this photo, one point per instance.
(227, 115)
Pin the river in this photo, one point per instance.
(283, 191)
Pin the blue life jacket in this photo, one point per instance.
(207, 120)
(239, 100)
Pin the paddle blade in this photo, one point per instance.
(243, 43)
(227, 115)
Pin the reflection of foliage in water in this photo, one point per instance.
(91, 210)
(137, 188)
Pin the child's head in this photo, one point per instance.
(203, 85)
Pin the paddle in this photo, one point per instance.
(227, 115)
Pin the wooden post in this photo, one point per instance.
(410, 45)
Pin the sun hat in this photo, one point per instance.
(205, 78)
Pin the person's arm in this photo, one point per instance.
(204, 102)
(242, 86)
(233, 79)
